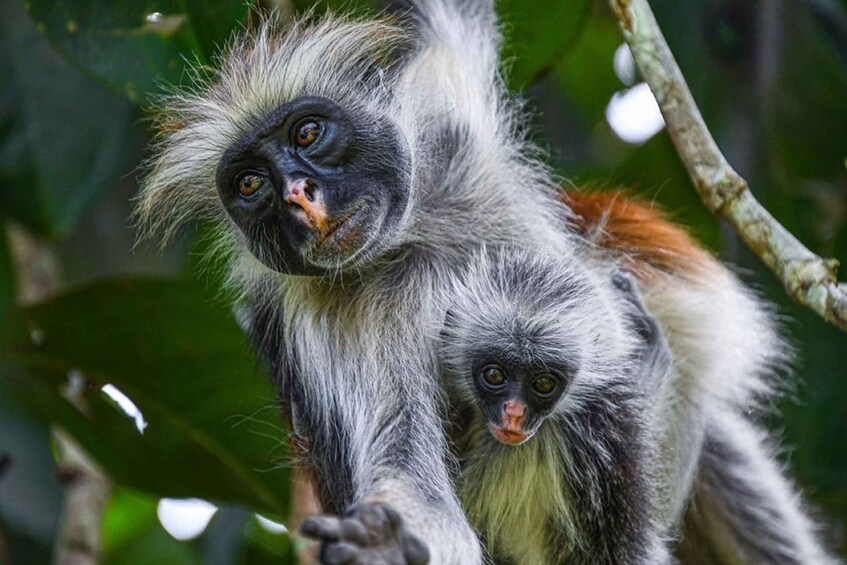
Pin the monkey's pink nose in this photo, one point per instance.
(299, 191)
(304, 194)
(514, 409)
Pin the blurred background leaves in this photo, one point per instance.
(210, 426)
(770, 77)
(136, 47)
(64, 137)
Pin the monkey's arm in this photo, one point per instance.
(381, 465)
(376, 450)
(453, 72)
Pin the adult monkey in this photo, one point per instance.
(350, 190)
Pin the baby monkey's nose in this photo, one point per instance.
(513, 415)
(514, 409)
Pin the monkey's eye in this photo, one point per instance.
(493, 376)
(249, 184)
(544, 385)
(307, 131)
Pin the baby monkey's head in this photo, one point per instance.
(528, 338)
(517, 394)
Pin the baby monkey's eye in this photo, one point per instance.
(307, 131)
(250, 183)
(493, 376)
(544, 385)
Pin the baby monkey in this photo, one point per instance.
(554, 381)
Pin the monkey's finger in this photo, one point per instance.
(339, 554)
(353, 530)
(414, 550)
(393, 516)
(326, 528)
(379, 520)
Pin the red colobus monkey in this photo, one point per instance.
(355, 169)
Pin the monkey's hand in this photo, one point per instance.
(368, 533)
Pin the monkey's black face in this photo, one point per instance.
(314, 188)
(517, 397)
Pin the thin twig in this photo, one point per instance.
(809, 279)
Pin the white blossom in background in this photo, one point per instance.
(634, 115)
(128, 406)
(185, 518)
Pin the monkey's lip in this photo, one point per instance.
(340, 228)
(509, 437)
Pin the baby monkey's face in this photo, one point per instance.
(516, 398)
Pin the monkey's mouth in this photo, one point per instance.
(509, 437)
(339, 231)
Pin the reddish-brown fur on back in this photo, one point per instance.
(638, 231)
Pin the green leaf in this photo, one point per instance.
(538, 34)
(155, 546)
(213, 427)
(129, 514)
(62, 138)
(7, 273)
(137, 46)
(587, 77)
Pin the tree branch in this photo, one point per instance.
(809, 280)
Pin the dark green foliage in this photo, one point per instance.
(539, 34)
(138, 46)
(62, 138)
(7, 274)
(213, 429)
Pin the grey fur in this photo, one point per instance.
(355, 351)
